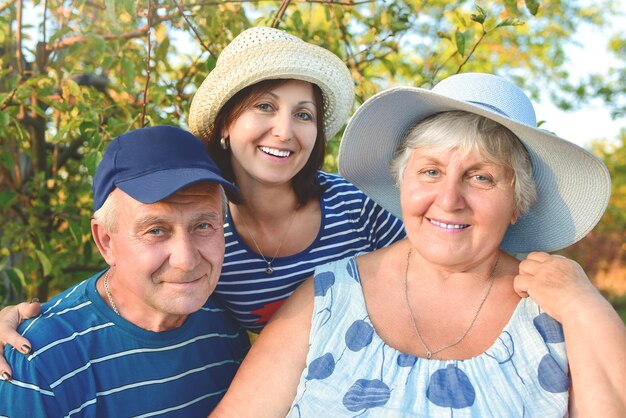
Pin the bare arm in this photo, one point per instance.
(595, 335)
(10, 318)
(266, 383)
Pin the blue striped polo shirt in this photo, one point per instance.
(88, 361)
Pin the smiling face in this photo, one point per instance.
(165, 257)
(273, 137)
(456, 206)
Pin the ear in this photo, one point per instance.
(103, 240)
(514, 217)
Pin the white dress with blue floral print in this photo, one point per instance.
(351, 372)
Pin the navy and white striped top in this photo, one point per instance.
(88, 361)
(351, 224)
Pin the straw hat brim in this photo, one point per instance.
(279, 59)
(573, 185)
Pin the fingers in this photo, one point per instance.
(549, 267)
(10, 319)
(28, 310)
(521, 283)
(559, 285)
(527, 270)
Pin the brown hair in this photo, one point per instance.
(304, 183)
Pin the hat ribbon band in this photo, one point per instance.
(490, 107)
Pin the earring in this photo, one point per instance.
(224, 143)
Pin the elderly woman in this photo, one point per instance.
(439, 324)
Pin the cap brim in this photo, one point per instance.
(156, 186)
(573, 185)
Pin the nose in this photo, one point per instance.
(184, 253)
(451, 195)
(283, 126)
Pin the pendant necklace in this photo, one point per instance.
(429, 352)
(269, 269)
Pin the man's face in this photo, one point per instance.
(166, 257)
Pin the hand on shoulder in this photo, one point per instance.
(10, 319)
(559, 285)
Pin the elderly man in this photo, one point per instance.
(143, 337)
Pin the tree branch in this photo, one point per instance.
(280, 13)
(193, 28)
(443, 64)
(136, 33)
(18, 40)
(6, 5)
(364, 51)
(145, 89)
(70, 151)
(8, 101)
(340, 3)
(482, 36)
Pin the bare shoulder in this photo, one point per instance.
(383, 261)
(300, 303)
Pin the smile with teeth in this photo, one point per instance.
(275, 152)
(448, 226)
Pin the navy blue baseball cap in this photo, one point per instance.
(151, 164)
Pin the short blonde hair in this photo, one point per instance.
(469, 133)
(106, 214)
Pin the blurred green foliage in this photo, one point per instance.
(74, 75)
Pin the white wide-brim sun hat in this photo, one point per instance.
(573, 185)
(263, 53)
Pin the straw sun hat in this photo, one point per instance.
(573, 185)
(262, 53)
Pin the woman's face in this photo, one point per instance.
(272, 139)
(456, 208)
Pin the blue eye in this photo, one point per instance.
(264, 106)
(304, 116)
(482, 179)
(207, 227)
(432, 173)
(155, 231)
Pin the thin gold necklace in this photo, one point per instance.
(429, 352)
(269, 269)
(108, 292)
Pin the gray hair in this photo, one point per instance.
(107, 217)
(469, 133)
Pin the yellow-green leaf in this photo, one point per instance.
(460, 42)
(44, 261)
(511, 7)
(532, 6)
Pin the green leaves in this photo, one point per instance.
(7, 198)
(45, 210)
(532, 6)
(4, 119)
(110, 8)
(45, 262)
(127, 73)
(479, 16)
(511, 7)
(92, 160)
(460, 42)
